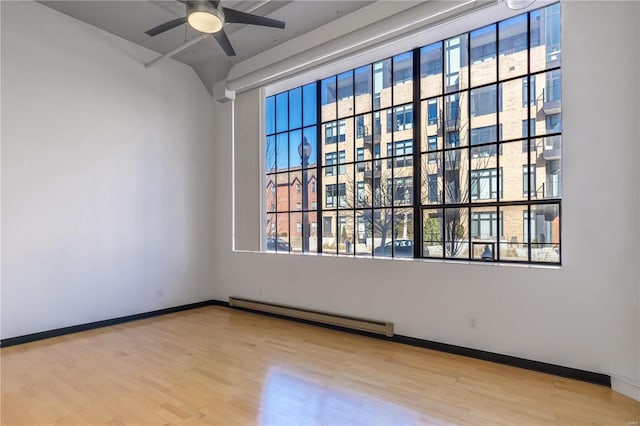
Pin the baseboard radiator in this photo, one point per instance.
(370, 326)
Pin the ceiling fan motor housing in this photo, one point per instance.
(205, 18)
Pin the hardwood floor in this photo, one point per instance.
(218, 366)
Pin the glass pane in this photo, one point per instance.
(270, 115)
(347, 189)
(432, 241)
(363, 184)
(432, 123)
(271, 232)
(382, 84)
(282, 112)
(363, 82)
(403, 181)
(382, 224)
(295, 149)
(310, 236)
(456, 120)
(403, 78)
(329, 231)
(309, 113)
(295, 191)
(431, 70)
(311, 153)
(456, 169)
(329, 137)
(282, 243)
(483, 56)
(431, 190)
(295, 108)
(345, 94)
(545, 38)
(455, 64)
(364, 233)
(270, 194)
(513, 47)
(549, 167)
(456, 233)
(403, 233)
(270, 154)
(485, 101)
(346, 230)
(513, 245)
(484, 233)
(544, 226)
(513, 117)
(295, 239)
(364, 137)
(328, 98)
(381, 183)
(380, 133)
(346, 134)
(514, 173)
(282, 192)
(330, 188)
(484, 179)
(282, 151)
(310, 196)
(550, 100)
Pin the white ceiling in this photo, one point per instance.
(130, 19)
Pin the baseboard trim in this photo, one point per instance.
(27, 338)
(541, 367)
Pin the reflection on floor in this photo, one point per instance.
(288, 399)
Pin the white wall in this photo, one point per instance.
(583, 315)
(107, 202)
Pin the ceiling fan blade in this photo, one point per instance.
(223, 41)
(237, 17)
(165, 27)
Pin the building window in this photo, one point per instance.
(469, 87)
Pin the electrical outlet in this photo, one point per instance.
(472, 323)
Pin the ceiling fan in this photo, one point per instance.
(210, 17)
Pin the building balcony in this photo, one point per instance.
(552, 101)
(552, 148)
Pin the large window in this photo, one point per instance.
(470, 146)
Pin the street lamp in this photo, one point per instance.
(304, 150)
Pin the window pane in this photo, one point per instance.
(347, 189)
(329, 232)
(270, 153)
(363, 82)
(456, 120)
(545, 38)
(345, 94)
(309, 104)
(432, 124)
(309, 136)
(295, 191)
(270, 193)
(271, 232)
(382, 227)
(295, 108)
(455, 64)
(513, 245)
(295, 239)
(484, 233)
(431, 70)
(456, 233)
(330, 188)
(483, 56)
(545, 232)
(364, 233)
(513, 47)
(513, 167)
(346, 230)
(282, 243)
(282, 112)
(364, 183)
(282, 151)
(282, 192)
(295, 141)
(382, 84)
(515, 110)
(346, 132)
(310, 197)
(431, 190)
(364, 137)
(328, 98)
(456, 169)
(432, 241)
(403, 78)
(381, 183)
(549, 167)
(270, 115)
(403, 233)
(310, 227)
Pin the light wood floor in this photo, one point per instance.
(218, 366)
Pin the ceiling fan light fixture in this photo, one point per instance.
(205, 18)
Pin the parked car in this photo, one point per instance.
(401, 248)
(273, 243)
